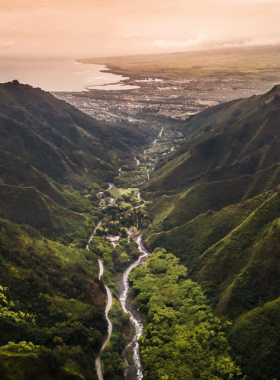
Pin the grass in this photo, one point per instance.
(259, 326)
(258, 63)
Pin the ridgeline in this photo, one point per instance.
(208, 294)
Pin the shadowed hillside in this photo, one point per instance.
(215, 204)
(60, 140)
(53, 161)
(57, 158)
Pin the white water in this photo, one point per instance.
(159, 136)
(110, 186)
(137, 324)
(137, 161)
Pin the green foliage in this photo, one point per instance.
(7, 315)
(61, 141)
(215, 204)
(182, 339)
(256, 343)
(21, 347)
(111, 356)
(56, 286)
(116, 259)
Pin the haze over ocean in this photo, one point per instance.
(56, 74)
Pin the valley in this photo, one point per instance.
(81, 211)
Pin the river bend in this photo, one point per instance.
(127, 309)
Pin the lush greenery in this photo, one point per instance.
(256, 342)
(215, 205)
(51, 305)
(115, 259)
(183, 339)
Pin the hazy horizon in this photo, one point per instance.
(80, 29)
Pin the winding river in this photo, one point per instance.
(124, 298)
(127, 308)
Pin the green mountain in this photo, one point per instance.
(53, 160)
(60, 140)
(215, 204)
(49, 295)
(224, 142)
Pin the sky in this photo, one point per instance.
(97, 28)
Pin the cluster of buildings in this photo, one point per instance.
(170, 97)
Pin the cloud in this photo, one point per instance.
(178, 44)
(6, 44)
(253, 42)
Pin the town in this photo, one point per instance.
(175, 98)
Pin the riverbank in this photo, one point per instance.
(135, 255)
(122, 210)
(132, 351)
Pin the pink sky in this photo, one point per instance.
(89, 28)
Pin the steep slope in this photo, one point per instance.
(261, 326)
(231, 147)
(186, 204)
(58, 158)
(14, 171)
(26, 205)
(233, 252)
(60, 140)
(215, 204)
(51, 307)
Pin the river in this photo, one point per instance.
(135, 371)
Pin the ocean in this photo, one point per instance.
(60, 75)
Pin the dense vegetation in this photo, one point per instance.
(115, 259)
(183, 339)
(51, 306)
(53, 161)
(216, 206)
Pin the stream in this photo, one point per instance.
(134, 318)
(126, 305)
(135, 371)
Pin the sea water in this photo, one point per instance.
(60, 75)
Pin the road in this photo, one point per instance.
(110, 327)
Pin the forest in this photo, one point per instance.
(208, 293)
